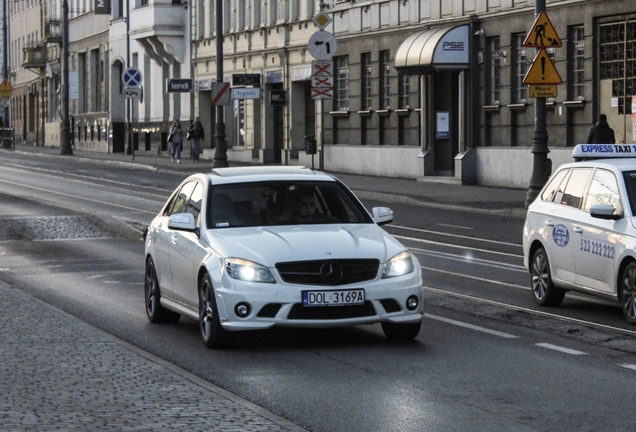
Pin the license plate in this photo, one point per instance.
(333, 298)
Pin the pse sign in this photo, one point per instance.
(179, 85)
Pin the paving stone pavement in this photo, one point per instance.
(58, 373)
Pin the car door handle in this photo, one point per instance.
(175, 239)
(578, 229)
(549, 223)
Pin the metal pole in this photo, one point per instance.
(542, 166)
(220, 153)
(65, 141)
(6, 121)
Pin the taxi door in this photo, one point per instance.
(560, 221)
(597, 238)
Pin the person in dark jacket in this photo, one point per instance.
(601, 133)
(195, 135)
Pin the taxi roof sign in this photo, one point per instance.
(542, 34)
(603, 151)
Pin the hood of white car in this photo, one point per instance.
(270, 245)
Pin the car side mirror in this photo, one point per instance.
(182, 222)
(604, 211)
(382, 215)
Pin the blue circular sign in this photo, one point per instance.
(132, 77)
(561, 235)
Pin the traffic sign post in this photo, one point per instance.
(542, 34)
(132, 77)
(322, 45)
(542, 70)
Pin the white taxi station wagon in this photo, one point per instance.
(256, 247)
(580, 232)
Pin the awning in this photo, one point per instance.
(439, 49)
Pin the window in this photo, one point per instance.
(366, 81)
(194, 204)
(618, 61)
(405, 86)
(603, 190)
(572, 194)
(385, 74)
(576, 79)
(493, 71)
(520, 69)
(178, 204)
(341, 89)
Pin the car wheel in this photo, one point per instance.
(543, 289)
(213, 334)
(628, 293)
(156, 313)
(401, 331)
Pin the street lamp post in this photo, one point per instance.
(65, 138)
(220, 152)
(6, 121)
(542, 166)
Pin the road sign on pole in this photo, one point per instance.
(542, 34)
(221, 93)
(322, 45)
(542, 71)
(132, 77)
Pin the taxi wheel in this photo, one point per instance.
(213, 334)
(155, 312)
(401, 332)
(543, 289)
(628, 293)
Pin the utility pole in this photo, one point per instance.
(542, 166)
(220, 152)
(5, 74)
(65, 138)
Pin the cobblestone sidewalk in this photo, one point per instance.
(58, 373)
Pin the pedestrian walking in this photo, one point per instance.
(195, 135)
(601, 133)
(176, 138)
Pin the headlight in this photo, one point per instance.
(399, 265)
(248, 271)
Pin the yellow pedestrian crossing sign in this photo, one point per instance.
(542, 71)
(5, 89)
(542, 34)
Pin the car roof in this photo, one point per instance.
(611, 164)
(266, 173)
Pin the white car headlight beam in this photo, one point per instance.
(399, 265)
(248, 271)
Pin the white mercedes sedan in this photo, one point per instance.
(255, 247)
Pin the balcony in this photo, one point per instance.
(53, 30)
(34, 57)
(160, 28)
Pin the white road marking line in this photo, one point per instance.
(453, 246)
(629, 366)
(456, 226)
(470, 326)
(561, 349)
(482, 240)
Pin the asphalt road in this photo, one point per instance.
(486, 359)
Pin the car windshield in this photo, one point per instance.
(630, 185)
(283, 203)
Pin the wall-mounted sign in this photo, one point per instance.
(277, 97)
(443, 125)
(246, 80)
(102, 7)
(274, 77)
(174, 85)
(246, 93)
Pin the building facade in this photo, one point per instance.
(458, 112)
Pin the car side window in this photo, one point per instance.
(553, 185)
(603, 190)
(572, 195)
(194, 204)
(180, 201)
